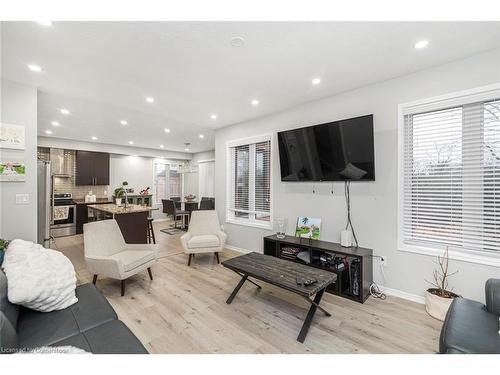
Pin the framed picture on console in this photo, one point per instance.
(308, 227)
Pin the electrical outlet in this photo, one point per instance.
(383, 260)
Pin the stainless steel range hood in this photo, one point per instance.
(60, 163)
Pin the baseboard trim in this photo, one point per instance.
(237, 249)
(399, 293)
(389, 291)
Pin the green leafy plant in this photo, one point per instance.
(119, 192)
(3, 247)
(3, 244)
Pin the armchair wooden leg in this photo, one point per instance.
(189, 259)
(123, 288)
(217, 257)
(150, 273)
(94, 279)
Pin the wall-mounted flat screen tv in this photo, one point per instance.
(335, 151)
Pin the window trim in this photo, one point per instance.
(230, 219)
(458, 98)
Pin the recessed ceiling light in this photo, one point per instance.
(150, 99)
(94, 138)
(123, 122)
(48, 131)
(64, 111)
(255, 102)
(421, 44)
(35, 68)
(201, 136)
(166, 130)
(316, 81)
(161, 146)
(55, 123)
(237, 41)
(213, 116)
(44, 23)
(130, 142)
(186, 149)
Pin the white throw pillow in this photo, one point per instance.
(38, 278)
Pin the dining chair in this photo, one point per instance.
(206, 204)
(170, 209)
(177, 201)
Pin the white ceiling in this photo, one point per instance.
(102, 71)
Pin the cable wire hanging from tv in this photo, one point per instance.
(347, 193)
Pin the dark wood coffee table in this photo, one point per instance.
(283, 274)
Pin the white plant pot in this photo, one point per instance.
(118, 201)
(436, 306)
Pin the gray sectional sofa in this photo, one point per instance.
(91, 324)
(471, 327)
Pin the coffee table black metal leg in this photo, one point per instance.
(249, 280)
(237, 289)
(310, 316)
(318, 306)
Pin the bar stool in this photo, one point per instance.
(151, 232)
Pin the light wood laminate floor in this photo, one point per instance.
(183, 310)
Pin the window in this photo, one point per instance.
(167, 181)
(249, 182)
(174, 182)
(160, 182)
(450, 175)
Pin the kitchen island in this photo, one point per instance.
(132, 220)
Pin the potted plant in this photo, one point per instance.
(3, 247)
(118, 194)
(438, 299)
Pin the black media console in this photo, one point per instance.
(353, 265)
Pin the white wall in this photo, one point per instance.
(136, 170)
(19, 106)
(374, 204)
(203, 156)
(191, 180)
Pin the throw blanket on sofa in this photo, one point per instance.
(38, 278)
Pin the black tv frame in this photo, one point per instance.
(329, 181)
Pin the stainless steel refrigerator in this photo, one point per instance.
(44, 202)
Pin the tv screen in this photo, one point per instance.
(335, 151)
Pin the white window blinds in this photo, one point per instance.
(249, 184)
(451, 177)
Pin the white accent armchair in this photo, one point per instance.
(107, 254)
(205, 235)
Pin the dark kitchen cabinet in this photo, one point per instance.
(92, 168)
(82, 213)
(101, 168)
(82, 217)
